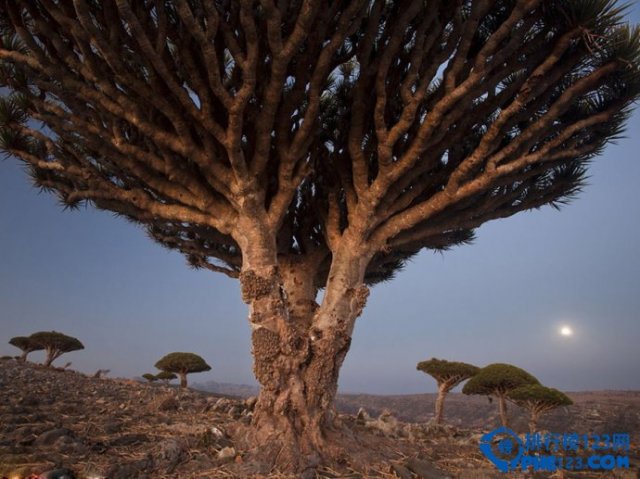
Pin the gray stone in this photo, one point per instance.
(226, 454)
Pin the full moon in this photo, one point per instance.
(566, 331)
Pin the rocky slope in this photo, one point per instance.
(60, 424)
(597, 412)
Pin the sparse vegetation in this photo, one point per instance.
(150, 377)
(538, 400)
(498, 380)
(182, 364)
(55, 344)
(26, 345)
(448, 374)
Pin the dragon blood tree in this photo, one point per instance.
(149, 377)
(448, 374)
(26, 345)
(306, 144)
(181, 364)
(55, 344)
(498, 380)
(538, 400)
(165, 377)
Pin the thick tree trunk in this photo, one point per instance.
(533, 421)
(183, 379)
(298, 349)
(52, 355)
(502, 404)
(442, 392)
(23, 356)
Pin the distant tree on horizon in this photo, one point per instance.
(310, 148)
(182, 364)
(55, 344)
(498, 380)
(166, 376)
(538, 400)
(26, 345)
(150, 377)
(448, 374)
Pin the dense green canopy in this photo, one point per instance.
(25, 344)
(55, 344)
(539, 397)
(147, 105)
(182, 363)
(150, 377)
(442, 370)
(165, 376)
(56, 340)
(498, 379)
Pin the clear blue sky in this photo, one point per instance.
(501, 299)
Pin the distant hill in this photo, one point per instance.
(603, 412)
(599, 412)
(227, 389)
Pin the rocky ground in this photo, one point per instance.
(596, 412)
(61, 424)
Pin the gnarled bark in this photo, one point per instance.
(298, 348)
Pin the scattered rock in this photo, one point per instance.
(386, 423)
(226, 454)
(116, 429)
(250, 403)
(362, 417)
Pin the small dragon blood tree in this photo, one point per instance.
(448, 374)
(183, 364)
(538, 400)
(55, 344)
(498, 380)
